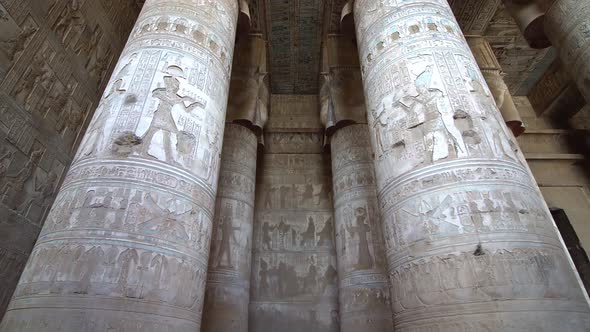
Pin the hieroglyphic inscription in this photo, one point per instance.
(443, 160)
(567, 26)
(228, 281)
(131, 228)
(54, 58)
(294, 276)
(362, 268)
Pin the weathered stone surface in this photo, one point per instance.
(365, 303)
(342, 101)
(492, 73)
(567, 25)
(125, 246)
(466, 229)
(55, 57)
(249, 98)
(529, 16)
(228, 279)
(294, 283)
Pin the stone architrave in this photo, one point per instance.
(126, 245)
(492, 73)
(362, 267)
(228, 279)
(567, 25)
(470, 242)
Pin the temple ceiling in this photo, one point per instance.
(295, 29)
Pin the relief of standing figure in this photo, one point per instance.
(365, 260)
(163, 120)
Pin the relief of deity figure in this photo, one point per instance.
(362, 229)
(163, 120)
(227, 230)
(326, 235)
(423, 111)
(94, 138)
(42, 195)
(13, 46)
(70, 19)
(5, 161)
(39, 74)
(16, 182)
(308, 237)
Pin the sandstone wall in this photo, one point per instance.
(55, 59)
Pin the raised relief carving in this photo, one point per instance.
(463, 221)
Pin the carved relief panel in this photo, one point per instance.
(135, 211)
(294, 277)
(55, 57)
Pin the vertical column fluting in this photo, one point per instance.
(126, 244)
(362, 268)
(228, 279)
(470, 242)
(567, 25)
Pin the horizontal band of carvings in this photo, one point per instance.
(362, 279)
(360, 197)
(103, 304)
(408, 11)
(138, 241)
(452, 173)
(484, 308)
(466, 244)
(196, 53)
(141, 170)
(421, 46)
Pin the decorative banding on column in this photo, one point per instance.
(362, 268)
(228, 279)
(530, 18)
(470, 242)
(567, 25)
(126, 244)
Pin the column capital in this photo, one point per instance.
(341, 96)
(529, 16)
(249, 96)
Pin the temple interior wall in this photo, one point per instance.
(294, 277)
(55, 59)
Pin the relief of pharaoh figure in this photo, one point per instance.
(163, 120)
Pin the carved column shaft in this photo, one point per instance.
(228, 280)
(567, 25)
(126, 244)
(362, 267)
(470, 242)
(492, 73)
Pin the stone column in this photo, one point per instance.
(567, 25)
(492, 73)
(529, 16)
(362, 268)
(228, 281)
(126, 244)
(470, 242)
